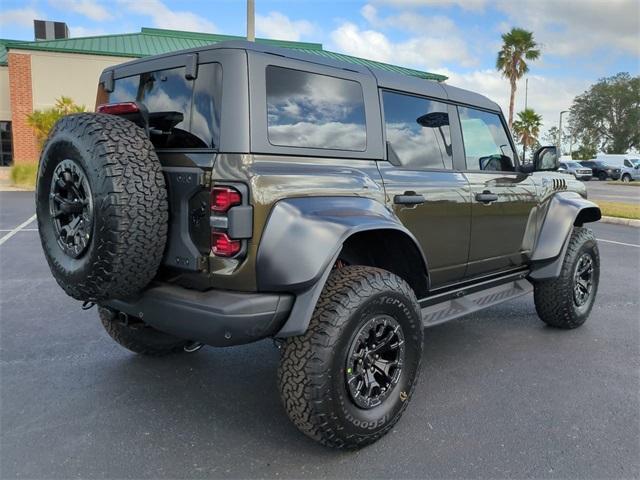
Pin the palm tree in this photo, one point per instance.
(527, 128)
(518, 46)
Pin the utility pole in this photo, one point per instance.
(251, 20)
(560, 132)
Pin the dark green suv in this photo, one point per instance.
(236, 192)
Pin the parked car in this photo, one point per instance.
(628, 164)
(574, 168)
(237, 192)
(601, 170)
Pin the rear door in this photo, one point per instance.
(502, 229)
(422, 185)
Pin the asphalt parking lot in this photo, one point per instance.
(500, 394)
(618, 192)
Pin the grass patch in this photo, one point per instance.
(619, 209)
(626, 184)
(24, 174)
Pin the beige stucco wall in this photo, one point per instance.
(73, 75)
(5, 101)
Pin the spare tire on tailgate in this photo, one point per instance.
(102, 208)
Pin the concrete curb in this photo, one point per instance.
(621, 221)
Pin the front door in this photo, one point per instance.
(503, 200)
(426, 193)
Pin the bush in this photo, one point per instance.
(42, 121)
(24, 174)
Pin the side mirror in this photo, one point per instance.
(546, 159)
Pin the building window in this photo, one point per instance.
(6, 146)
(314, 111)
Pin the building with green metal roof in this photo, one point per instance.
(33, 74)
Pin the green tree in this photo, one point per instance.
(42, 121)
(586, 151)
(527, 128)
(518, 47)
(608, 114)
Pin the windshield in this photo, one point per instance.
(573, 164)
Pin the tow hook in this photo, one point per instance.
(193, 347)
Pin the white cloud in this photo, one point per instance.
(434, 25)
(88, 8)
(79, 31)
(571, 27)
(547, 96)
(22, 17)
(163, 17)
(279, 26)
(474, 5)
(423, 52)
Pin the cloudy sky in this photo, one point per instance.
(581, 40)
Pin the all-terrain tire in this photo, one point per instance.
(556, 300)
(139, 337)
(311, 375)
(128, 199)
(602, 176)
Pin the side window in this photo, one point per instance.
(627, 163)
(314, 111)
(486, 142)
(418, 130)
(182, 113)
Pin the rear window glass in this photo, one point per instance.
(314, 111)
(182, 113)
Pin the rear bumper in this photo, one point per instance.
(215, 317)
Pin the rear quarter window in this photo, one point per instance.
(314, 111)
(182, 113)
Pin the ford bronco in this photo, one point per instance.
(238, 192)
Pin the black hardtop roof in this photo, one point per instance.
(385, 79)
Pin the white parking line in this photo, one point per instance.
(17, 229)
(619, 243)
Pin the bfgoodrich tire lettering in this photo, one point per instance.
(128, 202)
(561, 302)
(312, 373)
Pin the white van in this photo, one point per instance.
(628, 163)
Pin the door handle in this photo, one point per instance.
(409, 198)
(486, 197)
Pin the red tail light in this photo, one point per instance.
(223, 246)
(223, 198)
(118, 108)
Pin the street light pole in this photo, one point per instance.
(251, 20)
(560, 132)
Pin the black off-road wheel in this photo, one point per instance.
(101, 202)
(566, 301)
(347, 380)
(602, 176)
(139, 337)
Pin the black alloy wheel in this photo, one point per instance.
(583, 280)
(374, 361)
(71, 208)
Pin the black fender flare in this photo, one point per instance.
(565, 210)
(303, 238)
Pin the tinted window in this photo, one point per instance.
(418, 130)
(486, 143)
(314, 111)
(6, 144)
(182, 113)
